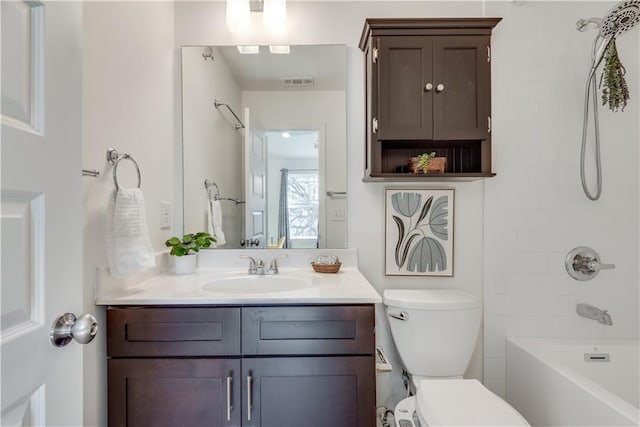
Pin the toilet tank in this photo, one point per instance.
(434, 330)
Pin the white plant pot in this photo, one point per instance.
(185, 264)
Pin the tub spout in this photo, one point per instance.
(591, 312)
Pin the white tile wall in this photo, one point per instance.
(535, 211)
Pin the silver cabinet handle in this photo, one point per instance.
(83, 329)
(428, 87)
(229, 407)
(375, 125)
(402, 316)
(440, 87)
(249, 405)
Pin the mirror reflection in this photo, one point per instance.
(264, 145)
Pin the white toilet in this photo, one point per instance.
(435, 332)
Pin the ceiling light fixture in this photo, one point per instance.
(238, 16)
(282, 49)
(274, 15)
(248, 50)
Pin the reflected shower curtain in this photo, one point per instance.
(283, 211)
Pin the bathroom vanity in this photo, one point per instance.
(186, 350)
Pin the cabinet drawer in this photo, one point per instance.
(191, 331)
(309, 330)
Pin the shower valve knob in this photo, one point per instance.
(583, 263)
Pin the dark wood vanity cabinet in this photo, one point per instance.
(428, 88)
(297, 366)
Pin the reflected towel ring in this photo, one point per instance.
(114, 157)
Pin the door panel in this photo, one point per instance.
(309, 391)
(255, 148)
(40, 210)
(404, 106)
(174, 392)
(461, 109)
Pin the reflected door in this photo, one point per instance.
(255, 146)
(40, 211)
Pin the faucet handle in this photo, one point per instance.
(252, 264)
(273, 266)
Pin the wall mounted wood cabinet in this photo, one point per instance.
(428, 88)
(251, 366)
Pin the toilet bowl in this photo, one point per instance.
(435, 332)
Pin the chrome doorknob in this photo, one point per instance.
(83, 329)
(440, 88)
(428, 87)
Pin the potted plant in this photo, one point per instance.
(185, 250)
(428, 162)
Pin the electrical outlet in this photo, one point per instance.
(165, 215)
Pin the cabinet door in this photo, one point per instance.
(462, 104)
(405, 106)
(309, 392)
(174, 392)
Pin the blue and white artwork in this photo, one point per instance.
(419, 232)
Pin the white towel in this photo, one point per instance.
(129, 247)
(214, 222)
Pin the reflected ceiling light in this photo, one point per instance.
(286, 135)
(238, 15)
(248, 50)
(282, 49)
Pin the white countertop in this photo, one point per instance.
(348, 286)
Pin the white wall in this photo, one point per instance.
(212, 146)
(535, 211)
(128, 104)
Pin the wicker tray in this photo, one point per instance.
(326, 268)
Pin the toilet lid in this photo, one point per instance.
(463, 402)
(430, 299)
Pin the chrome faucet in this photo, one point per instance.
(591, 312)
(256, 266)
(273, 265)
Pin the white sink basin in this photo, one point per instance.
(259, 284)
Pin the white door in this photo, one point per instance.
(255, 180)
(40, 211)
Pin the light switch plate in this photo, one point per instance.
(165, 215)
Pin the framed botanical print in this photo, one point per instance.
(419, 232)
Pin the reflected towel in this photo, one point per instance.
(214, 222)
(129, 247)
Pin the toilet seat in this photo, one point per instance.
(463, 402)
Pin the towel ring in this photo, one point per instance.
(115, 170)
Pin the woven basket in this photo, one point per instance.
(326, 268)
(434, 165)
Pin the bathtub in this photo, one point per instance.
(563, 382)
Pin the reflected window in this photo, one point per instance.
(302, 195)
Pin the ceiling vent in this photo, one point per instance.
(297, 81)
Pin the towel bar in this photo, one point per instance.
(114, 157)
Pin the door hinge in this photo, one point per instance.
(374, 125)
(488, 53)
(375, 55)
(489, 124)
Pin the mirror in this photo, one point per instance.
(264, 145)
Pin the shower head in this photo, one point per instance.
(623, 17)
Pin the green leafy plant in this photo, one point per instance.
(423, 160)
(615, 90)
(189, 242)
